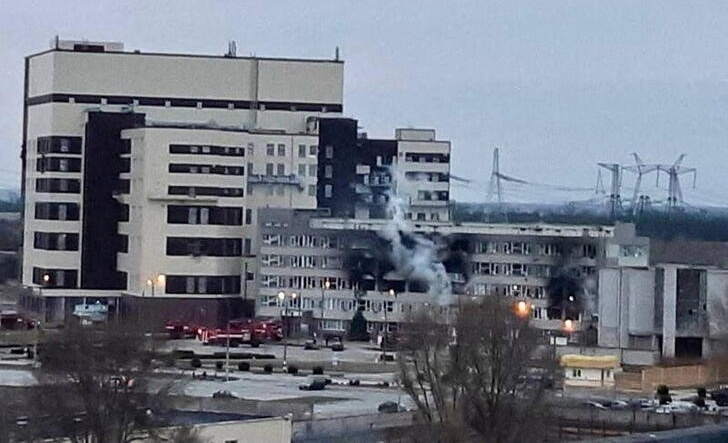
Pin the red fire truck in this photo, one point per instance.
(247, 331)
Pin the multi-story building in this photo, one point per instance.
(143, 173)
(665, 300)
(357, 175)
(335, 266)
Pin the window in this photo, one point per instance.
(328, 171)
(312, 170)
(247, 247)
(251, 149)
(270, 149)
(281, 150)
(204, 216)
(313, 150)
(280, 169)
(302, 170)
(302, 151)
(269, 169)
(248, 216)
(329, 151)
(312, 190)
(576, 372)
(327, 191)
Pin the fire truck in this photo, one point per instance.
(11, 319)
(252, 332)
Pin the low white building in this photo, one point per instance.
(589, 370)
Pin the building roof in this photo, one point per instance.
(589, 361)
(447, 228)
(192, 418)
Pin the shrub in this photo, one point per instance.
(196, 363)
(292, 369)
(358, 328)
(663, 394)
(318, 370)
(243, 366)
(218, 365)
(268, 368)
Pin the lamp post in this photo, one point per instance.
(392, 294)
(282, 297)
(324, 288)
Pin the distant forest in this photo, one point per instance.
(11, 206)
(694, 224)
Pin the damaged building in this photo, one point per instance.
(337, 265)
(665, 300)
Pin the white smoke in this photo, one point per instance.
(416, 258)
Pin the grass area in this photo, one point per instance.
(19, 337)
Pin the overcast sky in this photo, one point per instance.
(557, 85)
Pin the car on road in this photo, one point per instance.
(224, 394)
(310, 345)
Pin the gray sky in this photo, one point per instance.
(558, 85)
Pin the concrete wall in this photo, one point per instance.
(273, 430)
(640, 287)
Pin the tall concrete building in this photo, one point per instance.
(143, 172)
(357, 175)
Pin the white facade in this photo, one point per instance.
(240, 103)
(254, 177)
(424, 162)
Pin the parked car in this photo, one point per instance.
(390, 407)
(316, 384)
(224, 394)
(594, 404)
(310, 345)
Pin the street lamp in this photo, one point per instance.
(392, 294)
(523, 309)
(282, 297)
(324, 288)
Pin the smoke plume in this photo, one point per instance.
(413, 255)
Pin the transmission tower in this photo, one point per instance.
(674, 193)
(495, 180)
(639, 168)
(615, 199)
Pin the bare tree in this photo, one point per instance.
(98, 388)
(471, 378)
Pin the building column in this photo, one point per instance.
(669, 306)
